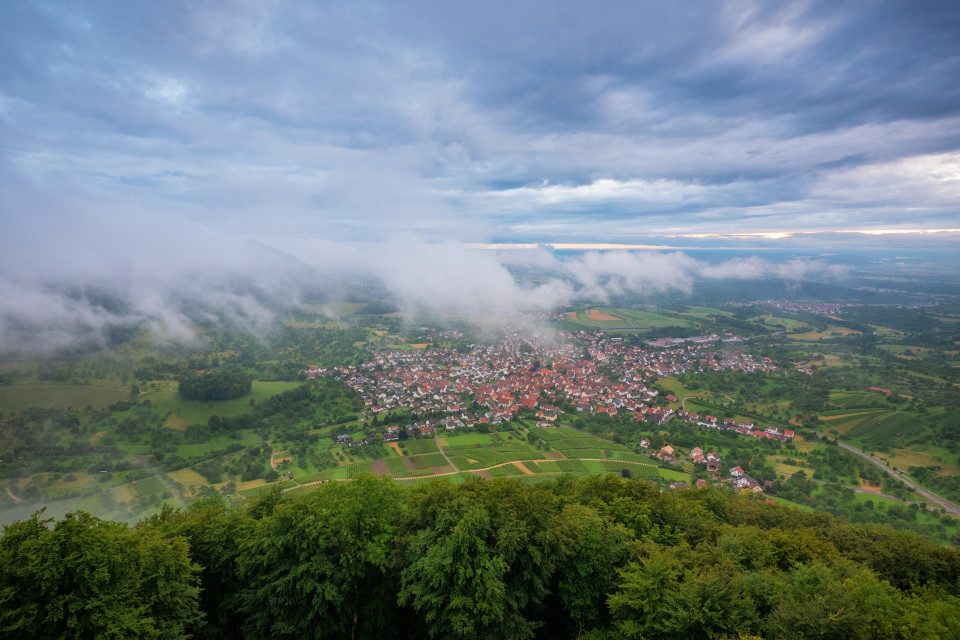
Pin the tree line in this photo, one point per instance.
(215, 385)
(601, 557)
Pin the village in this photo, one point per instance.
(589, 373)
(542, 377)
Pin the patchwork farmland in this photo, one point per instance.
(612, 318)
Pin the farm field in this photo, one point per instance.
(855, 399)
(935, 457)
(830, 332)
(877, 428)
(504, 454)
(195, 411)
(59, 396)
(704, 312)
(616, 318)
(142, 438)
(776, 322)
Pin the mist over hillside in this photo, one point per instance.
(88, 284)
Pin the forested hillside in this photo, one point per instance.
(600, 557)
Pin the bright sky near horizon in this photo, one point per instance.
(504, 122)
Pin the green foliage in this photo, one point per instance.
(600, 557)
(305, 567)
(87, 577)
(215, 385)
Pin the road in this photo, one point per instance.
(946, 504)
(929, 495)
(865, 491)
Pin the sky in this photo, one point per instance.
(141, 141)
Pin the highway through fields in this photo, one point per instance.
(946, 504)
(867, 492)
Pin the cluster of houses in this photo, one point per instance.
(743, 428)
(675, 342)
(742, 481)
(666, 454)
(492, 383)
(821, 308)
(737, 476)
(739, 479)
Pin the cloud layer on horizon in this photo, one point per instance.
(65, 298)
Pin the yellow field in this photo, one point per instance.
(420, 345)
(43, 478)
(791, 469)
(123, 493)
(816, 335)
(783, 467)
(174, 421)
(826, 361)
(189, 478)
(250, 484)
(596, 314)
(906, 458)
(845, 415)
(802, 445)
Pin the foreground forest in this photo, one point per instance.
(599, 557)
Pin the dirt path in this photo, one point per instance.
(846, 415)
(483, 473)
(523, 467)
(274, 462)
(395, 447)
(12, 497)
(446, 457)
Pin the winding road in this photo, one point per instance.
(946, 504)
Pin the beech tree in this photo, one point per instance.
(306, 566)
(90, 578)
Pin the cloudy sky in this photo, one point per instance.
(143, 143)
(484, 122)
